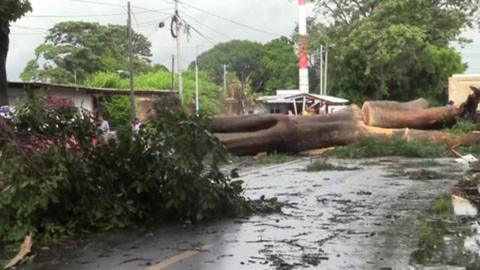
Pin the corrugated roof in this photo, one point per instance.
(92, 90)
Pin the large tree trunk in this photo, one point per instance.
(414, 114)
(274, 132)
(282, 133)
(4, 41)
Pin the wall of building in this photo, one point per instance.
(459, 87)
(79, 98)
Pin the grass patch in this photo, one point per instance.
(474, 150)
(443, 206)
(374, 147)
(464, 127)
(275, 159)
(319, 166)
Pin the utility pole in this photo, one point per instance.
(197, 104)
(173, 72)
(179, 51)
(321, 69)
(326, 70)
(303, 47)
(130, 65)
(225, 78)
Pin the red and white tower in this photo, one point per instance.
(303, 47)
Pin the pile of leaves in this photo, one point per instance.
(55, 180)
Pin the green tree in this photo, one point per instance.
(75, 50)
(117, 108)
(395, 49)
(279, 69)
(10, 11)
(241, 57)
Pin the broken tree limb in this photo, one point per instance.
(468, 109)
(25, 249)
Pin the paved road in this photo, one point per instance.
(355, 219)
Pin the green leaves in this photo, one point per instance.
(393, 49)
(58, 182)
(76, 50)
(11, 10)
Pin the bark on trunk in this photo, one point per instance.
(414, 114)
(275, 132)
(4, 41)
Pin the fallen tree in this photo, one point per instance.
(253, 134)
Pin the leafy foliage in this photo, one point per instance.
(241, 57)
(83, 48)
(57, 182)
(323, 165)
(279, 68)
(393, 49)
(117, 108)
(11, 10)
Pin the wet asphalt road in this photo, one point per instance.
(358, 219)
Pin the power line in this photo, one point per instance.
(28, 27)
(71, 16)
(98, 3)
(28, 34)
(118, 5)
(232, 21)
(208, 27)
(202, 35)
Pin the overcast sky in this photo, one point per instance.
(270, 18)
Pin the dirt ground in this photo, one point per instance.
(372, 217)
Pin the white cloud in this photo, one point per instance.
(276, 16)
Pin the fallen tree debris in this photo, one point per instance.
(253, 134)
(25, 250)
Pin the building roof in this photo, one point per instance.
(329, 99)
(288, 97)
(90, 90)
(465, 75)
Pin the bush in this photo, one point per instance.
(57, 182)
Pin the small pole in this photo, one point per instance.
(321, 70)
(173, 72)
(130, 64)
(326, 69)
(179, 52)
(197, 104)
(225, 78)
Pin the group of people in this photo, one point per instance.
(107, 134)
(5, 112)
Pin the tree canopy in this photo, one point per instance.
(76, 50)
(395, 49)
(279, 68)
(10, 10)
(265, 68)
(241, 57)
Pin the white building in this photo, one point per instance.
(297, 102)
